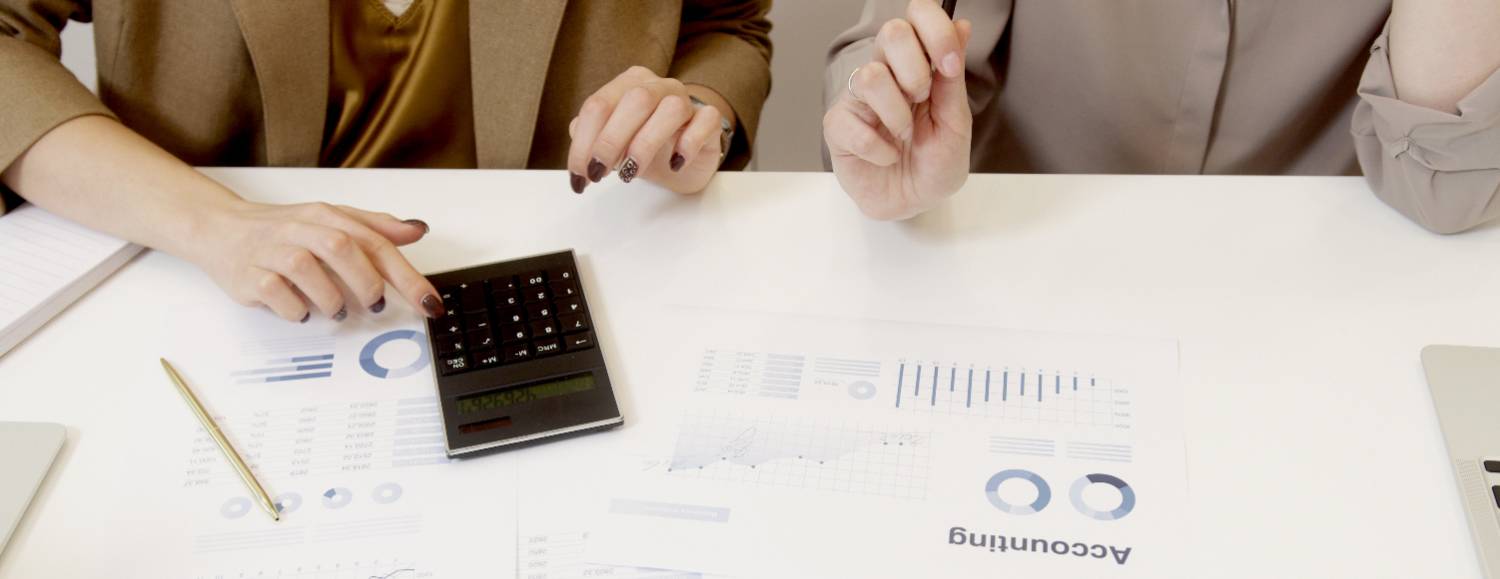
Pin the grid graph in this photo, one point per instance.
(837, 456)
(383, 568)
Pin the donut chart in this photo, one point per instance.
(235, 508)
(370, 366)
(1127, 497)
(288, 503)
(1043, 491)
(862, 390)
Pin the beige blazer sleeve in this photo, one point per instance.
(726, 46)
(39, 94)
(1441, 170)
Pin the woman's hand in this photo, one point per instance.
(899, 136)
(646, 126)
(291, 258)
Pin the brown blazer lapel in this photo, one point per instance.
(510, 50)
(288, 43)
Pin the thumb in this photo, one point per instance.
(950, 96)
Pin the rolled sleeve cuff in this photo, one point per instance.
(1440, 141)
(39, 94)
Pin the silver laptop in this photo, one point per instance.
(1465, 385)
(27, 450)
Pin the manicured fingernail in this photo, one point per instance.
(629, 170)
(678, 161)
(378, 306)
(578, 182)
(433, 306)
(305, 317)
(953, 65)
(597, 170)
(343, 313)
(418, 223)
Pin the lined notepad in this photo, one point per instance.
(47, 262)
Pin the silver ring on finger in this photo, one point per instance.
(849, 84)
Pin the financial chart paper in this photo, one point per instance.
(340, 423)
(790, 446)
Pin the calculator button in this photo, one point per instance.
(453, 364)
(486, 359)
(563, 289)
(514, 333)
(544, 328)
(533, 279)
(570, 306)
(511, 316)
(480, 340)
(450, 296)
(573, 323)
(1492, 466)
(502, 283)
(471, 297)
(577, 342)
(547, 347)
(565, 274)
(507, 299)
(478, 321)
(451, 344)
(516, 353)
(540, 311)
(535, 294)
(447, 327)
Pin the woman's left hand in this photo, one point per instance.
(645, 126)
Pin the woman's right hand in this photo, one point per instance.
(900, 141)
(295, 258)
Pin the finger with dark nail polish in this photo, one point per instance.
(597, 170)
(629, 170)
(433, 306)
(578, 182)
(678, 161)
(419, 223)
(378, 306)
(343, 313)
(305, 317)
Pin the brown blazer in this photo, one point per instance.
(245, 82)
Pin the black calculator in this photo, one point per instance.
(516, 357)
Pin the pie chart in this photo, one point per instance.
(371, 366)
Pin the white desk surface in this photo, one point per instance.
(1300, 304)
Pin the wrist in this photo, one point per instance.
(195, 230)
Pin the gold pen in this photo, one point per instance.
(229, 452)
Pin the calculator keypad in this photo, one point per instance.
(510, 319)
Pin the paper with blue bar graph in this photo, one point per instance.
(340, 422)
(788, 446)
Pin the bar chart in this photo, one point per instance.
(286, 360)
(1013, 394)
(1009, 393)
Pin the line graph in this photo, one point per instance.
(799, 452)
(383, 568)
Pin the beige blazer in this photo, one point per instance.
(1212, 87)
(245, 82)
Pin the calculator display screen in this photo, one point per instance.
(512, 396)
